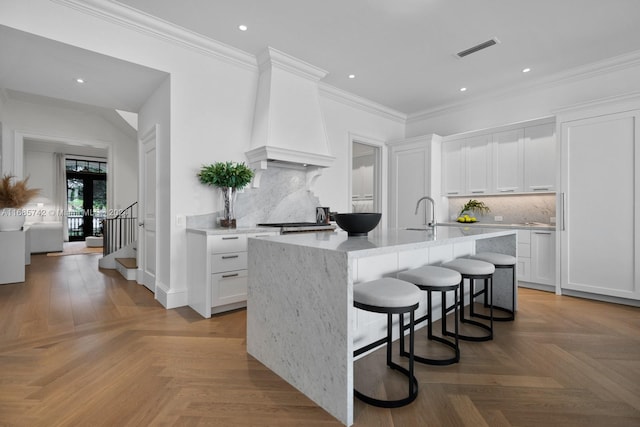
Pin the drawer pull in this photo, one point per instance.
(229, 256)
(542, 232)
(507, 190)
(477, 191)
(226, 276)
(231, 238)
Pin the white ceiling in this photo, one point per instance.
(402, 51)
(39, 66)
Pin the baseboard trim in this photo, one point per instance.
(170, 298)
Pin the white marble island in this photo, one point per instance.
(300, 317)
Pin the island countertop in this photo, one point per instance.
(301, 322)
(379, 242)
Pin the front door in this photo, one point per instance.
(86, 197)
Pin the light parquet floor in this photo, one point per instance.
(81, 346)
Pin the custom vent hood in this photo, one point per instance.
(288, 126)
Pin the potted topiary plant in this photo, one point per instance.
(229, 177)
(14, 195)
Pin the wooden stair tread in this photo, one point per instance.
(127, 262)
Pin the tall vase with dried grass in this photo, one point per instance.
(14, 195)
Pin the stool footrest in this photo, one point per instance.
(392, 403)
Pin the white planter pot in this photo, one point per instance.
(11, 219)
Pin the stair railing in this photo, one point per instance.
(120, 230)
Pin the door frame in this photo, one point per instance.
(379, 173)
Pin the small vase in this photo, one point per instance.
(229, 217)
(11, 219)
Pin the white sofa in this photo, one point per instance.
(45, 237)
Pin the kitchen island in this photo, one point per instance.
(301, 322)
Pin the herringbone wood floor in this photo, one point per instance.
(84, 347)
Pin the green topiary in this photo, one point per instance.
(226, 174)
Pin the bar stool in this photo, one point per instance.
(472, 270)
(390, 296)
(430, 278)
(500, 261)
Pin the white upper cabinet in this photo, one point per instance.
(540, 158)
(479, 164)
(453, 169)
(508, 161)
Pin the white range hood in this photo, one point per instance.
(288, 126)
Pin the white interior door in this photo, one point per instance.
(147, 249)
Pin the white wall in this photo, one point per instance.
(211, 107)
(541, 100)
(72, 127)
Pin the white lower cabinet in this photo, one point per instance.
(536, 257)
(217, 271)
(523, 266)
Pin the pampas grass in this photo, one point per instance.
(15, 194)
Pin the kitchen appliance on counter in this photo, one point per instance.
(299, 227)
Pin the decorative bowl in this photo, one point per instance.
(357, 224)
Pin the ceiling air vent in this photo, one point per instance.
(478, 47)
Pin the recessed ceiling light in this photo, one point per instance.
(243, 27)
(463, 89)
(79, 80)
(352, 76)
(526, 70)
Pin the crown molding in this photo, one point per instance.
(361, 103)
(573, 75)
(123, 15)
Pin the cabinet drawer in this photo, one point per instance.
(228, 288)
(228, 243)
(228, 262)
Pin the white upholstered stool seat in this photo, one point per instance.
(495, 258)
(430, 279)
(472, 270)
(470, 266)
(431, 276)
(390, 296)
(386, 292)
(500, 261)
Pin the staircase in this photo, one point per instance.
(120, 238)
(127, 267)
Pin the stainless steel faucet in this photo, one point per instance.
(432, 223)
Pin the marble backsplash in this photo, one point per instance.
(515, 209)
(281, 197)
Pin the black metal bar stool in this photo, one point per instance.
(430, 278)
(472, 270)
(390, 296)
(499, 261)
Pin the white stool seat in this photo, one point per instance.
(430, 276)
(495, 258)
(471, 267)
(386, 292)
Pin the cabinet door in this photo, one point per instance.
(508, 161)
(543, 257)
(599, 174)
(410, 184)
(479, 164)
(453, 168)
(540, 158)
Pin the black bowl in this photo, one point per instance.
(358, 224)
